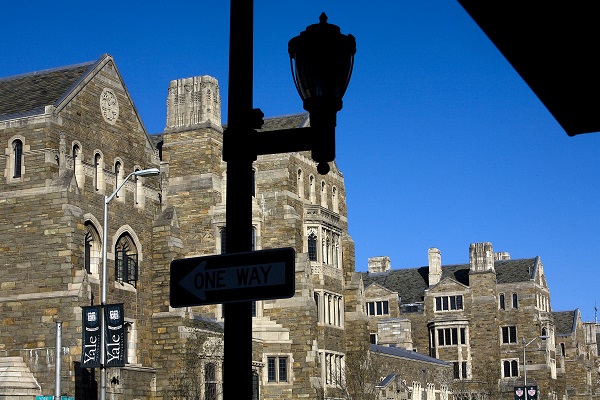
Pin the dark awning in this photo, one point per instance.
(554, 47)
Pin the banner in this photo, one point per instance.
(114, 334)
(90, 353)
(519, 393)
(532, 392)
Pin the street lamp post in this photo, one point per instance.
(322, 60)
(107, 199)
(525, 344)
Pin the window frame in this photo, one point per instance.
(276, 366)
(508, 334)
(512, 365)
(449, 303)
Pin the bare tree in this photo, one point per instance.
(360, 375)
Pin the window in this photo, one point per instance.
(334, 364)
(501, 300)
(131, 334)
(449, 303)
(78, 166)
(210, 381)
(277, 369)
(334, 200)
(460, 369)
(510, 368)
(118, 175)
(126, 260)
(323, 194)
(253, 182)
(378, 307)
(91, 249)
(313, 196)
(509, 334)
(330, 308)
(223, 237)
(139, 189)
(98, 177)
(300, 184)
(515, 302)
(373, 338)
(17, 158)
(312, 247)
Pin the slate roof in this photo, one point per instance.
(412, 355)
(411, 283)
(564, 322)
(28, 94)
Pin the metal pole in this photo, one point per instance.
(525, 370)
(237, 373)
(103, 301)
(58, 360)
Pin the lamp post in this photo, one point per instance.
(107, 199)
(322, 60)
(525, 344)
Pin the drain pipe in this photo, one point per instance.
(58, 359)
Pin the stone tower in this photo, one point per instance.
(193, 101)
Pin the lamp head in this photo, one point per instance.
(147, 172)
(322, 59)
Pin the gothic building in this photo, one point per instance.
(71, 136)
(484, 318)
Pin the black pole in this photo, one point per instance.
(237, 369)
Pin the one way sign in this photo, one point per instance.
(257, 275)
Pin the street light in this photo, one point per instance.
(322, 63)
(322, 59)
(107, 199)
(525, 344)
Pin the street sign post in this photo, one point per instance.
(256, 275)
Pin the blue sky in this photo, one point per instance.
(440, 141)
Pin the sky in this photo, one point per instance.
(440, 141)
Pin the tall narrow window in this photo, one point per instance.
(334, 200)
(253, 182)
(210, 381)
(253, 238)
(223, 234)
(126, 260)
(118, 175)
(78, 166)
(139, 189)
(91, 249)
(501, 301)
(17, 158)
(98, 177)
(323, 194)
(300, 184)
(312, 247)
(515, 300)
(311, 187)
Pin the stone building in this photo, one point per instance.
(478, 316)
(71, 135)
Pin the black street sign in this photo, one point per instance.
(256, 275)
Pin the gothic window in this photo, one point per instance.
(544, 332)
(323, 194)
(78, 165)
(126, 260)
(139, 189)
(334, 200)
(311, 186)
(312, 247)
(118, 175)
(91, 249)
(98, 175)
(17, 158)
(210, 381)
(300, 184)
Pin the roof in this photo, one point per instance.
(564, 322)
(552, 46)
(29, 94)
(403, 353)
(411, 283)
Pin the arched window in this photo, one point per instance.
(312, 247)
(118, 175)
(313, 196)
(300, 184)
(323, 194)
(78, 165)
(139, 190)
(544, 332)
(98, 172)
(210, 381)
(91, 249)
(126, 260)
(17, 155)
(334, 200)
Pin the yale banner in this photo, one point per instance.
(90, 354)
(532, 392)
(114, 334)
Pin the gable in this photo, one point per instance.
(446, 285)
(376, 290)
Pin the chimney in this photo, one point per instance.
(435, 265)
(379, 264)
(502, 256)
(481, 257)
(193, 101)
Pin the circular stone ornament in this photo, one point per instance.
(109, 106)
